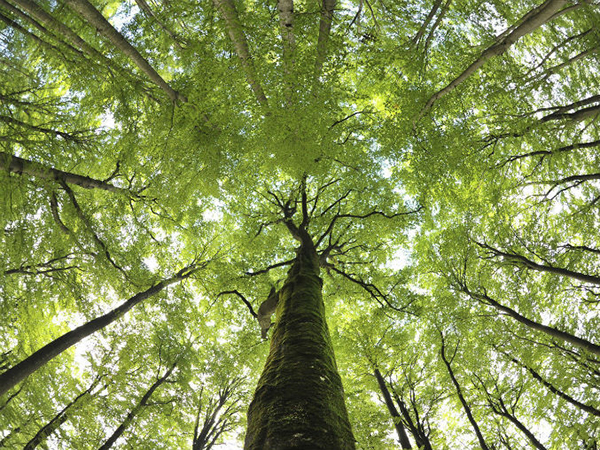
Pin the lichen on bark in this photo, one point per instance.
(299, 399)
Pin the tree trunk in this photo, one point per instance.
(87, 11)
(550, 331)
(531, 21)
(587, 408)
(136, 409)
(44, 355)
(299, 400)
(236, 33)
(327, 9)
(402, 436)
(415, 427)
(461, 397)
(58, 420)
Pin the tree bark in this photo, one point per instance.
(532, 20)
(462, 399)
(299, 399)
(234, 29)
(587, 408)
(44, 355)
(324, 31)
(136, 409)
(396, 418)
(550, 331)
(20, 166)
(87, 11)
(57, 420)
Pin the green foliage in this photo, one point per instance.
(422, 213)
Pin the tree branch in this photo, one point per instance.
(20, 166)
(246, 302)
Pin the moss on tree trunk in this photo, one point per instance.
(299, 400)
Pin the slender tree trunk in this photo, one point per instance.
(217, 417)
(587, 408)
(299, 400)
(534, 441)
(532, 265)
(531, 21)
(550, 331)
(396, 418)
(135, 411)
(20, 166)
(44, 355)
(462, 399)
(87, 11)
(415, 428)
(236, 33)
(37, 12)
(58, 420)
(327, 8)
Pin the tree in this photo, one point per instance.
(418, 181)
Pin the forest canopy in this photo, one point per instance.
(192, 190)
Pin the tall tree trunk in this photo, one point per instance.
(530, 22)
(236, 33)
(87, 11)
(44, 355)
(59, 419)
(587, 408)
(415, 427)
(327, 9)
(550, 331)
(461, 397)
(402, 436)
(135, 411)
(299, 400)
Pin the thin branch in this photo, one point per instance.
(544, 153)
(371, 289)
(41, 268)
(86, 221)
(272, 266)
(148, 11)
(246, 302)
(69, 137)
